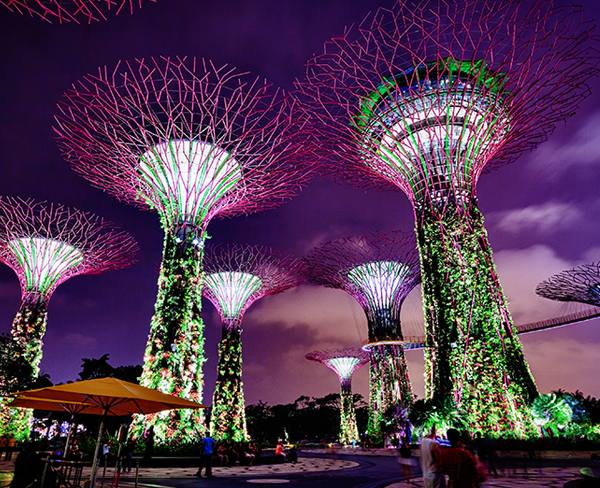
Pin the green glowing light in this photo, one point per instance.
(188, 177)
(348, 428)
(175, 349)
(43, 261)
(430, 130)
(344, 366)
(380, 281)
(344, 362)
(388, 385)
(228, 418)
(472, 348)
(232, 289)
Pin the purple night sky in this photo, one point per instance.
(539, 210)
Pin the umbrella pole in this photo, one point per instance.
(45, 470)
(68, 436)
(98, 442)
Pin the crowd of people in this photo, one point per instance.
(234, 454)
(463, 462)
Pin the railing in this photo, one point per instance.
(418, 342)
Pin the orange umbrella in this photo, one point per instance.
(104, 396)
(44, 404)
(110, 396)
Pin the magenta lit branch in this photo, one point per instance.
(47, 244)
(72, 10)
(580, 284)
(423, 98)
(190, 141)
(235, 277)
(379, 270)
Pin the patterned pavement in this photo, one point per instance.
(550, 477)
(304, 465)
(545, 477)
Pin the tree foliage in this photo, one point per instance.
(439, 412)
(565, 414)
(100, 368)
(16, 372)
(307, 418)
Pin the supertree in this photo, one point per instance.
(45, 245)
(237, 276)
(72, 10)
(379, 270)
(189, 141)
(422, 98)
(344, 362)
(580, 284)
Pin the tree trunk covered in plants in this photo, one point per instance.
(472, 350)
(389, 385)
(348, 429)
(175, 350)
(28, 329)
(228, 417)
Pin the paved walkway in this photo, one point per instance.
(546, 477)
(304, 465)
(554, 477)
(550, 477)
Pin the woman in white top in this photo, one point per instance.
(430, 462)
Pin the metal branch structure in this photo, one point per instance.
(423, 98)
(46, 244)
(379, 270)
(580, 284)
(72, 10)
(190, 141)
(344, 362)
(235, 277)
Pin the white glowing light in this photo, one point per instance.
(44, 261)
(431, 140)
(439, 126)
(188, 177)
(232, 289)
(380, 281)
(343, 366)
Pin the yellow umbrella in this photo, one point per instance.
(106, 396)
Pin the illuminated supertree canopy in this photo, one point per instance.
(189, 141)
(344, 362)
(236, 276)
(423, 98)
(72, 10)
(580, 284)
(379, 271)
(46, 244)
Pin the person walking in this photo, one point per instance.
(405, 458)
(208, 444)
(149, 451)
(128, 455)
(430, 462)
(458, 463)
(105, 458)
